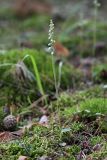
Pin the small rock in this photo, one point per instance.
(44, 120)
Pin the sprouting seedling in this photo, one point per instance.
(96, 5)
(51, 50)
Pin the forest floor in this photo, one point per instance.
(53, 107)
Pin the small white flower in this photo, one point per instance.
(51, 37)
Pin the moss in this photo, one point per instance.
(42, 142)
(95, 140)
(99, 72)
(100, 155)
(94, 106)
(90, 99)
(67, 100)
(44, 65)
(54, 142)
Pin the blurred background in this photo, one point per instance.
(25, 23)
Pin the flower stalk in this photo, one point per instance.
(51, 50)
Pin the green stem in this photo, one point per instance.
(60, 73)
(54, 73)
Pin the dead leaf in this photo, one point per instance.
(23, 158)
(7, 136)
(97, 147)
(61, 50)
(18, 133)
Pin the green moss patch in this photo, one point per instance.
(24, 81)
